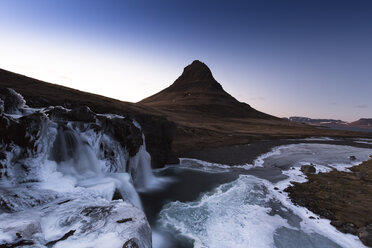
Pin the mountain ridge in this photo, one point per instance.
(363, 123)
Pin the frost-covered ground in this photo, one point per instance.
(253, 211)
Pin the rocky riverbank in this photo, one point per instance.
(343, 197)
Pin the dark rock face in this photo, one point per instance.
(159, 133)
(125, 132)
(23, 131)
(308, 169)
(82, 113)
(11, 101)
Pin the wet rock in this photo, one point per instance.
(276, 188)
(308, 169)
(1, 107)
(345, 227)
(124, 220)
(12, 102)
(20, 243)
(64, 237)
(130, 244)
(352, 158)
(82, 113)
(125, 132)
(159, 133)
(365, 235)
(57, 113)
(117, 195)
(23, 131)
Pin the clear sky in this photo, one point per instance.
(306, 58)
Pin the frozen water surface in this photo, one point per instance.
(248, 212)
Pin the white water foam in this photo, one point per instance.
(320, 139)
(250, 213)
(233, 215)
(197, 164)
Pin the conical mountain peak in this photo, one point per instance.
(196, 92)
(196, 71)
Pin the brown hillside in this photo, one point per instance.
(197, 92)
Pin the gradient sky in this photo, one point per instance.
(286, 58)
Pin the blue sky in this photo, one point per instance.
(306, 58)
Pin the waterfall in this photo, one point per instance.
(140, 169)
(76, 157)
(65, 177)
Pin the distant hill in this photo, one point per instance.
(318, 122)
(196, 91)
(363, 123)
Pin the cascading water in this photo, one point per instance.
(76, 157)
(67, 183)
(140, 169)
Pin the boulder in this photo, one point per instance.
(365, 235)
(82, 113)
(23, 131)
(308, 169)
(12, 102)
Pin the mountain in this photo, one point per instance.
(194, 113)
(318, 122)
(196, 91)
(362, 123)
